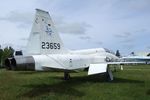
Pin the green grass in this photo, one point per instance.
(133, 83)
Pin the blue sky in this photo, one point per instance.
(113, 24)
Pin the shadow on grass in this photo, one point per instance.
(101, 78)
(31, 72)
(148, 92)
(2, 67)
(121, 80)
(69, 87)
(56, 89)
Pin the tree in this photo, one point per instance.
(118, 53)
(1, 55)
(148, 54)
(132, 53)
(7, 53)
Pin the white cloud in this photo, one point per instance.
(123, 35)
(114, 24)
(21, 18)
(85, 37)
(73, 28)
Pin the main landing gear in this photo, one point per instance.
(66, 76)
(109, 74)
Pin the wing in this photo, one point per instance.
(104, 68)
(97, 68)
(100, 68)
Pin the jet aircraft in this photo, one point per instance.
(46, 51)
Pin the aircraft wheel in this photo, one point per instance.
(66, 76)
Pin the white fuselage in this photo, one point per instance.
(68, 62)
(73, 60)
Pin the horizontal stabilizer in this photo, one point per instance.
(97, 68)
(57, 68)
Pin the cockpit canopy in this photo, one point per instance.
(109, 51)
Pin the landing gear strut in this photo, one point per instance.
(109, 75)
(66, 76)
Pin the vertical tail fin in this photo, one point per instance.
(44, 39)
